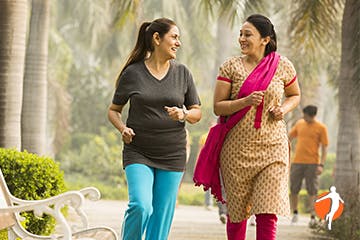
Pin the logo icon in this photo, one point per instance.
(329, 206)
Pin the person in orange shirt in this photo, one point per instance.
(311, 136)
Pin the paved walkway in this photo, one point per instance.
(190, 222)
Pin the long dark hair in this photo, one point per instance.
(265, 28)
(144, 43)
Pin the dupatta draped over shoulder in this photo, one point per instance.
(207, 170)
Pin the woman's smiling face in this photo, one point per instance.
(250, 39)
(170, 42)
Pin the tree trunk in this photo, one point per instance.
(348, 146)
(13, 22)
(34, 111)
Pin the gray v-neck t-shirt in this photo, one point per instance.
(159, 142)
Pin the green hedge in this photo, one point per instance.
(31, 177)
(3, 235)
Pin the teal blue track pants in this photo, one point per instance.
(152, 200)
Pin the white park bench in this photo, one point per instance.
(11, 207)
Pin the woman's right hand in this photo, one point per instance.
(127, 135)
(255, 98)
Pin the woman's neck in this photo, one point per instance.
(157, 67)
(157, 64)
(251, 61)
(254, 59)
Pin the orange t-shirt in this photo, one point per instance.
(309, 137)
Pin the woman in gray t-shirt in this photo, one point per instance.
(162, 98)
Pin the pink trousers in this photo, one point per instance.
(265, 228)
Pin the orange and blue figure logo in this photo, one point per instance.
(329, 206)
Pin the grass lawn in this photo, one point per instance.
(191, 195)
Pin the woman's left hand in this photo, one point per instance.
(175, 113)
(277, 112)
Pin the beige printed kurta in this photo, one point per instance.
(255, 162)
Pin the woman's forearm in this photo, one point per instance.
(228, 107)
(194, 115)
(290, 103)
(115, 118)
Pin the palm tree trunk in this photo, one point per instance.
(34, 111)
(13, 22)
(347, 174)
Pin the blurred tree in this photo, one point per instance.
(80, 43)
(90, 96)
(96, 157)
(310, 25)
(347, 173)
(13, 24)
(88, 32)
(59, 99)
(314, 23)
(34, 107)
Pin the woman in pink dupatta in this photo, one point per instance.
(254, 158)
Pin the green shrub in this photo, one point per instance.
(96, 157)
(31, 177)
(108, 191)
(326, 179)
(3, 234)
(191, 195)
(187, 199)
(303, 203)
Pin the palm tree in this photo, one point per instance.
(34, 110)
(79, 46)
(59, 100)
(12, 54)
(347, 171)
(316, 22)
(347, 174)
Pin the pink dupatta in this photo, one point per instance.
(207, 170)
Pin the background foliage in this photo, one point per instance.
(31, 177)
